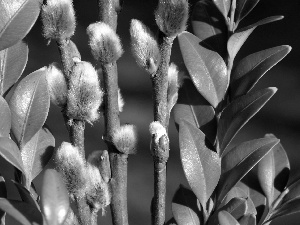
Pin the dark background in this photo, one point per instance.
(280, 116)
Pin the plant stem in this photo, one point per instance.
(66, 60)
(160, 150)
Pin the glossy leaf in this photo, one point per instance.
(250, 69)
(3, 194)
(237, 39)
(54, 198)
(237, 207)
(192, 107)
(239, 112)
(201, 165)
(243, 8)
(206, 68)
(248, 219)
(26, 196)
(229, 179)
(11, 153)
(23, 212)
(226, 218)
(273, 172)
(223, 6)
(242, 151)
(209, 25)
(5, 115)
(36, 153)
(293, 192)
(29, 106)
(17, 18)
(12, 64)
(288, 208)
(184, 207)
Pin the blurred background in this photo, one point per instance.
(281, 115)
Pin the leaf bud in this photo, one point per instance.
(100, 159)
(71, 164)
(171, 16)
(104, 42)
(144, 46)
(174, 82)
(125, 139)
(158, 130)
(58, 18)
(57, 85)
(97, 191)
(84, 95)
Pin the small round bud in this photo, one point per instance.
(144, 46)
(100, 159)
(174, 82)
(57, 85)
(71, 164)
(171, 16)
(121, 102)
(58, 19)
(125, 139)
(104, 42)
(85, 95)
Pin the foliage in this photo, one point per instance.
(229, 184)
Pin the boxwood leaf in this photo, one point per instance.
(223, 6)
(248, 219)
(239, 112)
(184, 207)
(273, 172)
(229, 179)
(243, 8)
(206, 68)
(29, 106)
(12, 64)
(54, 198)
(242, 151)
(226, 218)
(250, 69)
(288, 208)
(293, 192)
(209, 26)
(5, 115)
(11, 153)
(23, 212)
(17, 18)
(36, 153)
(237, 207)
(192, 107)
(201, 165)
(26, 196)
(237, 39)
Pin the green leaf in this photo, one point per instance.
(293, 192)
(237, 207)
(248, 219)
(192, 107)
(26, 196)
(201, 165)
(210, 27)
(12, 64)
(36, 154)
(273, 172)
(243, 8)
(239, 112)
(237, 39)
(184, 207)
(250, 69)
(242, 151)
(206, 68)
(11, 153)
(288, 208)
(54, 198)
(229, 179)
(29, 106)
(23, 212)
(223, 6)
(226, 218)
(17, 18)
(5, 115)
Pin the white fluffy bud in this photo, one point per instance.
(125, 139)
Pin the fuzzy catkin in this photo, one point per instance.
(58, 19)
(125, 139)
(144, 46)
(105, 44)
